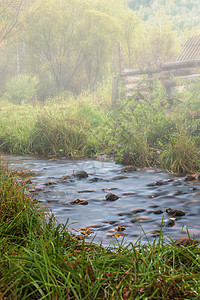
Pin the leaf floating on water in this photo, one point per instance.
(51, 183)
(117, 235)
(86, 231)
(78, 201)
(121, 228)
(29, 181)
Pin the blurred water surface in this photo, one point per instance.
(104, 217)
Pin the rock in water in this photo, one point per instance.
(189, 177)
(185, 241)
(129, 169)
(81, 174)
(175, 212)
(111, 197)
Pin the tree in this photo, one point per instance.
(98, 34)
(163, 39)
(52, 41)
(10, 23)
(133, 37)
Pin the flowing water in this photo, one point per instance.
(139, 207)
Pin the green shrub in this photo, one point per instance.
(21, 89)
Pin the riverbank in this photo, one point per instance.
(41, 259)
(149, 132)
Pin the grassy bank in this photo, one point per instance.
(41, 259)
(145, 132)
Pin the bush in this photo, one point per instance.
(21, 89)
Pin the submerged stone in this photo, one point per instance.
(175, 212)
(169, 223)
(139, 210)
(128, 169)
(158, 212)
(190, 177)
(111, 197)
(80, 174)
(158, 183)
(186, 241)
(119, 177)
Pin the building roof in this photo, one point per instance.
(191, 49)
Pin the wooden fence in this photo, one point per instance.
(171, 74)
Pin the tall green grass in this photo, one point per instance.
(41, 259)
(144, 132)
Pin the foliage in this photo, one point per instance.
(21, 89)
(145, 132)
(184, 14)
(73, 45)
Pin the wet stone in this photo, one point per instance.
(111, 197)
(124, 214)
(177, 193)
(189, 177)
(158, 183)
(86, 191)
(139, 210)
(51, 183)
(128, 193)
(175, 212)
(128, 169)
(169, 223)
(186, 241)
(80, 174)
(119, 177)
(158, 212)
(36, 190)
(96, 226)
(94, 179)
(111, 222)
(141, 219)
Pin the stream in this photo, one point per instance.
(144, 195)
